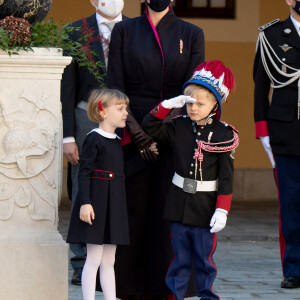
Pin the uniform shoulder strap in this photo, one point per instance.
(263, 27)
(230, 126)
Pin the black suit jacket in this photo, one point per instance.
(278, 119)
(77, 82)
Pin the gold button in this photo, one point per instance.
(202, 127)
(192, 165)
(191, 173)
(110, 175)
(198, 133)
(193, 157)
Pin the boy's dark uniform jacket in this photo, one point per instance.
(278, 119)
(181, 134)
(77, 82)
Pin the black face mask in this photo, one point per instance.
(159, 5)
(297, 7)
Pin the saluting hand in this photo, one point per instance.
(178, 101)
(86, 213)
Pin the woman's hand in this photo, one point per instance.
(87, 213)
(148, 152)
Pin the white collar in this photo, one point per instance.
(296, 24)
(104, 133)
(101, 19)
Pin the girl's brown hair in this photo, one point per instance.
(107, 97)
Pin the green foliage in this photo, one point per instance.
(47, 34)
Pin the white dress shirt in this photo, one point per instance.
(296, 24)
(103, 28)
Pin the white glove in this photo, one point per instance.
(266, 143)
(218, 220)
(178, 101)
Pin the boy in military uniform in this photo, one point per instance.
(200, 195)
(277, 67)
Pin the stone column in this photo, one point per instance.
(33, 255)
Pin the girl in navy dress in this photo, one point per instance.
(99, 217)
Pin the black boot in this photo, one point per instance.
(76, 277)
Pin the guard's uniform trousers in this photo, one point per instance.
(287, 177)
(192, 243)
(190, 212)
(280, 121)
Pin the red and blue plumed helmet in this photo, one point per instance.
(216, 77)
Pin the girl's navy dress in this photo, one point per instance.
(101, 184)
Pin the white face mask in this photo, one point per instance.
(111, 8)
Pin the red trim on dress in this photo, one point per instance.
(261, 129)
(281, 237)
(110, 178)
(160, 112)
(156, 35)
(224, 202)
(159, 44)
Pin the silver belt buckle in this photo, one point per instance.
(190, 185)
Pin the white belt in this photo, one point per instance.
(82, 105)
(192, 186)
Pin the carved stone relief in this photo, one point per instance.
(29, 133)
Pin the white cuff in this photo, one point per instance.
(69, 139)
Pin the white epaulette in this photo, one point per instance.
(263, 27)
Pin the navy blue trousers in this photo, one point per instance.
(287, 176)
(192, 244)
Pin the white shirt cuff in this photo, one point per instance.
(69, 139)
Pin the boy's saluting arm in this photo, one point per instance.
(153, 122)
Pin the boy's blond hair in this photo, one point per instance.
(107, 97)
(196, 89)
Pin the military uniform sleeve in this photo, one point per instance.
(225, 177)
(261, 96)
(154, 126)
(115, 69)
(90, 150)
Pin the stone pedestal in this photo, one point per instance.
(33, 255)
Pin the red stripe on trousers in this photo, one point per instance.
(211, 253)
